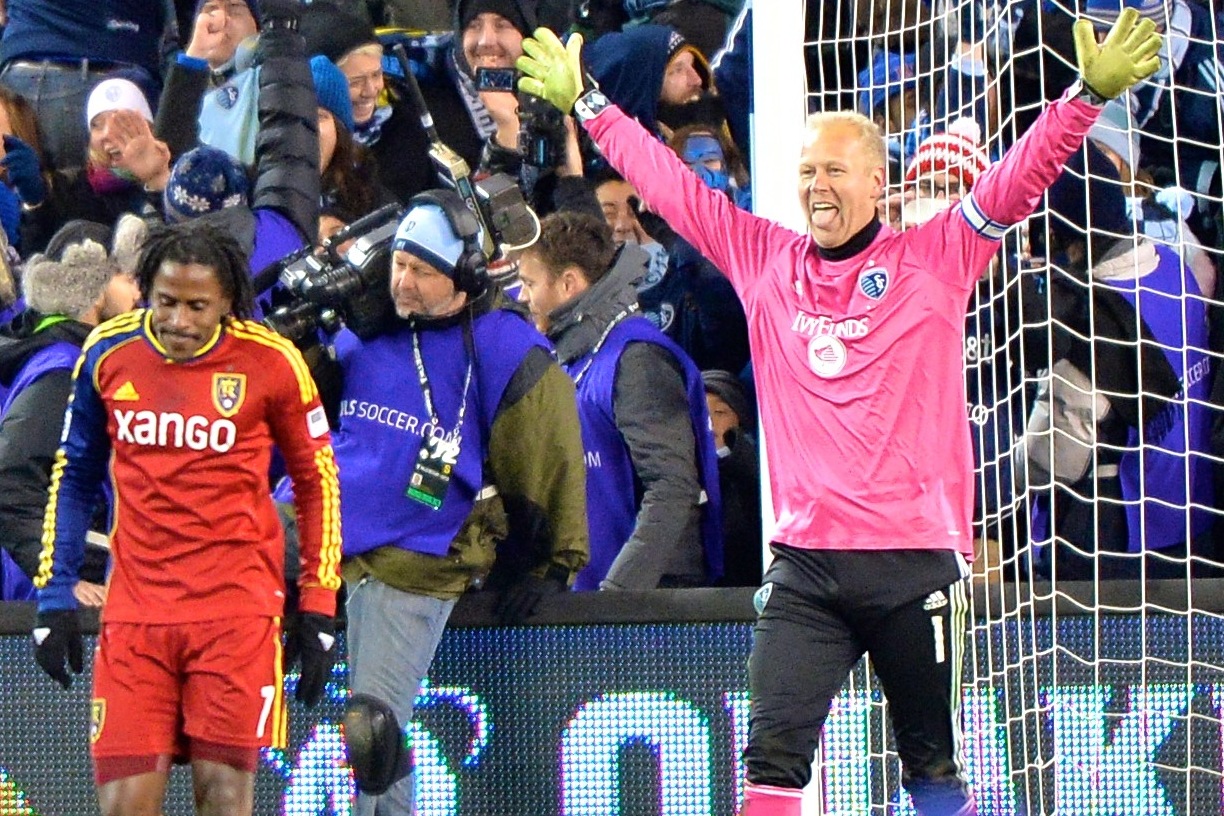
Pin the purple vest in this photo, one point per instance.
(383, 420)
(613, 492)
(14, 585)
(1172, 470)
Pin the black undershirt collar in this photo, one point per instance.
(857, 243)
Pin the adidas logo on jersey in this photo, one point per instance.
(126, 393)
(936, 600)
(170, 430)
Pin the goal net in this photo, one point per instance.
(1094, 676)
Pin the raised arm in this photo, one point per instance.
(1011, 189)
(287, 147)
(738, 242)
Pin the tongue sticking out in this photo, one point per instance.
(823, 216)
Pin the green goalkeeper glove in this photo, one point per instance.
(553, 71)
(1128, 55)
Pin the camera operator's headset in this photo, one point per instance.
(472, 267)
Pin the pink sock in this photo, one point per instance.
(766, 800)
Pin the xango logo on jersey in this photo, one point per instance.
(873, 282)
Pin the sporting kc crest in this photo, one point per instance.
(873, 282)
(97, 718)
(228, 392)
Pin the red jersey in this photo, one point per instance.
(187, 446)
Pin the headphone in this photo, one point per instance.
(472, 267)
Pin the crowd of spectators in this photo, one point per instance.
(1091, 348)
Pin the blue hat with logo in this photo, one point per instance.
(426, 232)
(888, 75)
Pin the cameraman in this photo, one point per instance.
(457, 440)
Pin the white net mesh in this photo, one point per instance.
(1095, 677)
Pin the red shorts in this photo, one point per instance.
(209, 690)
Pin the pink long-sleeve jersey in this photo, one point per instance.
(858, 362)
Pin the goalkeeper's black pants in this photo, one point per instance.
(819, 612)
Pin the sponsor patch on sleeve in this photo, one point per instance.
(316, 422)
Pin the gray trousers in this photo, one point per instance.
(392, 637)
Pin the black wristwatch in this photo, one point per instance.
(590, 104)
(1081, 90)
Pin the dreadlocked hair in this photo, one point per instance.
(199, 242)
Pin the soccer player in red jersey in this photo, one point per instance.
(180, 404)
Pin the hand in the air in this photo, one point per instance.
(1128, 55)
(552, 71)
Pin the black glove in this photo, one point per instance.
(57, 638)
(521, 599)
(313, 638)
(24, 173)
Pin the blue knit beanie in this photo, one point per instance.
(427, 233)
(332, 90)
(205, 180)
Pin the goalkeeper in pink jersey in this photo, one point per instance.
(856, 334)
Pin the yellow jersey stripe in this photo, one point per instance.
(98, 365)
(330, 549)
(264, 337)
(46, 556)
(279, 724)
(126, 322)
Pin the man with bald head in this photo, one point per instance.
(856, 334)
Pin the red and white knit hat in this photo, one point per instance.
(959, 148)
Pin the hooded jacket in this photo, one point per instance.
(629, 67)
(36, 370)
(665, 524)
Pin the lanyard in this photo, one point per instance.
(626, 312)
(424, 380)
